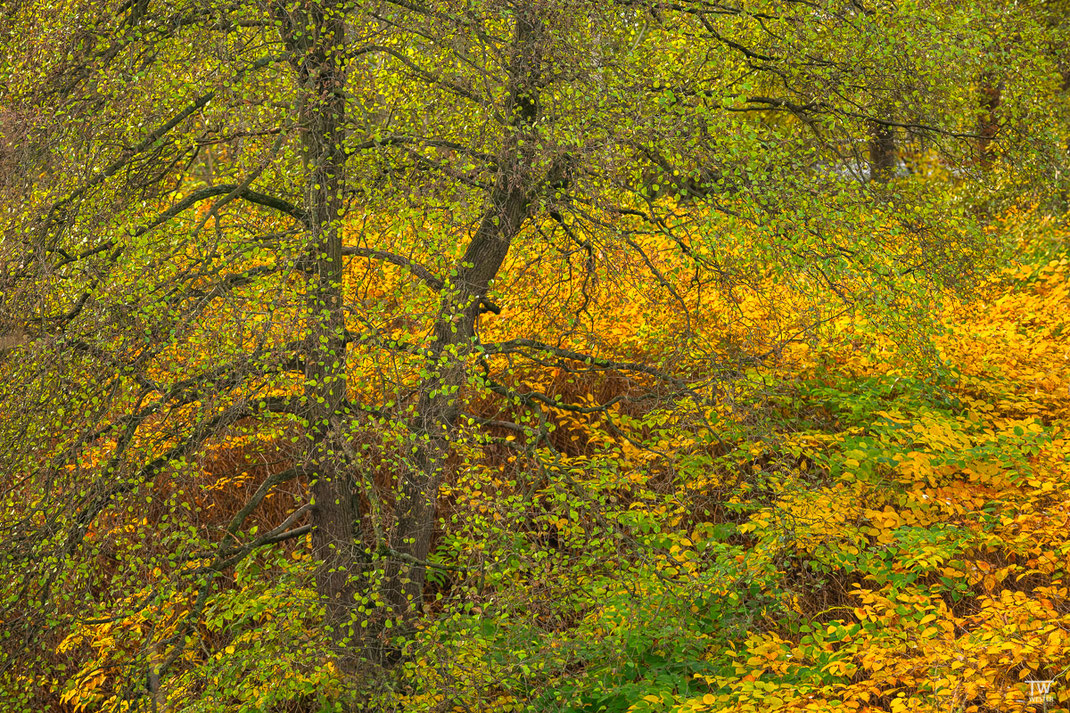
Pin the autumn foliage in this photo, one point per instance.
(533, 356)
(846, 528)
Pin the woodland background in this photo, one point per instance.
(549, 355)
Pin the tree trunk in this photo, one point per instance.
(509, 205)
(882, 154)
(321, 123)
(991, 91)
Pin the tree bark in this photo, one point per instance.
(508, 207)
(316, 36)
(882, 154)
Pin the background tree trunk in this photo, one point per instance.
(990, 90)
(882, 154)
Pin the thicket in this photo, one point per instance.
(536, 355)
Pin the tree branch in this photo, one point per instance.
(425, 275)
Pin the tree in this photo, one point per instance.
(294, 220)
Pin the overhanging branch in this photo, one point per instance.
(426, 276)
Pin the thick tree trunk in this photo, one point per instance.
(322, 120)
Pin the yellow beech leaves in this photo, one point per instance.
(942, 540)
